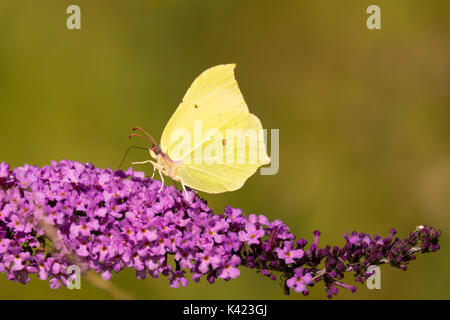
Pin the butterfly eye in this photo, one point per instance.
(156, 150)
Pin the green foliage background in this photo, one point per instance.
(363, 115)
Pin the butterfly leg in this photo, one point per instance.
(154, 170)
(148, 161)
(184, 188)
(162, 181)
(143, 162)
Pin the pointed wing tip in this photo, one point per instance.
(232, 65)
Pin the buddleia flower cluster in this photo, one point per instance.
(103, 220)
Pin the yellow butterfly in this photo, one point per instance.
(227, 154)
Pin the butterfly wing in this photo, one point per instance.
(214, 91)
(233, 153)
(214, 100)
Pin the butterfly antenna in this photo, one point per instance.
(143, 137)
(126, 153)
(146, 133)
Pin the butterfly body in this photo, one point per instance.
(165, 165)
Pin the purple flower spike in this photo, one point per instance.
(107, 221)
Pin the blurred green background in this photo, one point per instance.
(363, 115)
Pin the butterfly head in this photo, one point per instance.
(155, 151)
